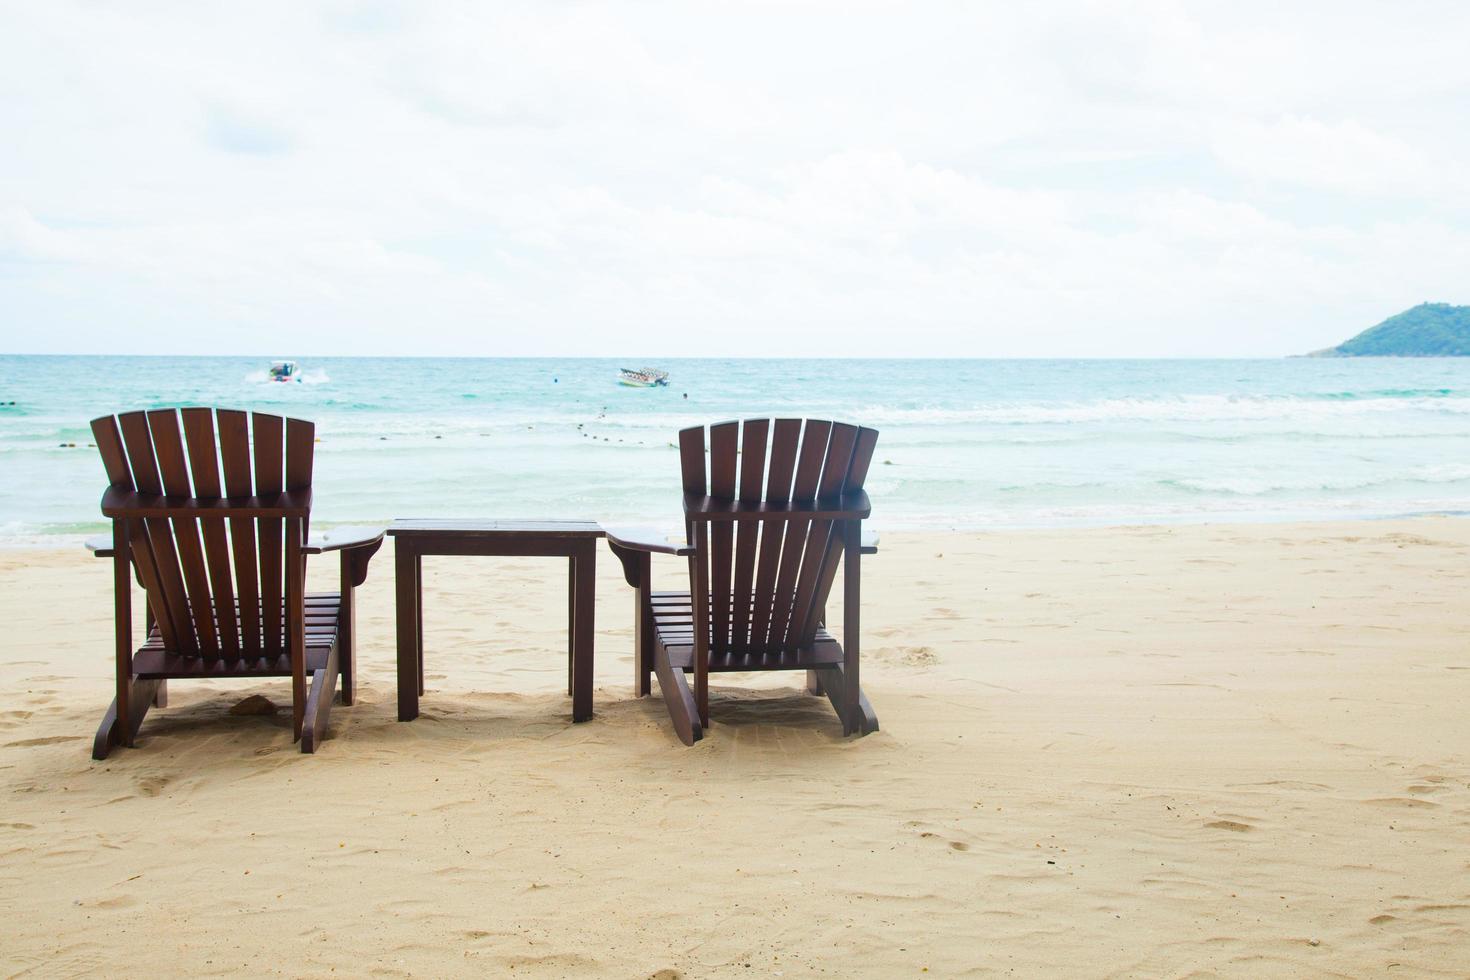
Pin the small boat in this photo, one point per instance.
(284, 371)
(643, 378)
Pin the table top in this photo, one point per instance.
(439, 527)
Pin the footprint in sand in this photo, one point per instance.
(1293, 784)
(1414, 539)
(917, 656)
(1403, 802)
(152, 785)
(954, 845)
(908, 656)
(27, 743)
(1232, 825)
(12, 719)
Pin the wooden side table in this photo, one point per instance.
(574, 540)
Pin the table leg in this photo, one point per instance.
(407, 599)
(584, 593)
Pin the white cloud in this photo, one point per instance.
(1344, 156)
(236, 131)
(23, 239)
(1084, 178)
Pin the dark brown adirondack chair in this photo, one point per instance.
(782, 505)
(202, 621)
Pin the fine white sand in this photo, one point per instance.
(1138, 751)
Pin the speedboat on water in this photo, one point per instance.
(284, 371)
(643, 378)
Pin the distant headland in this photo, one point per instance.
(1427, 330)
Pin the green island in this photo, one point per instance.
(1427, 330)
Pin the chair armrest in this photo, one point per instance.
(648, 539)
(100, 546)
(343, 539)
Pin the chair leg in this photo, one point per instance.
(835, 687)
(111, 732)
(354, 569)
(319, 704)
(347, 629)
(643, 628)
(107, 734)
(160, 696)
(680, 700)
(571, 627)
(699, 594)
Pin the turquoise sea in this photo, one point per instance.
(965, 443)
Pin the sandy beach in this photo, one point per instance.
(1153, 751)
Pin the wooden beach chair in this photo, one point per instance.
(237, 605)
(765, 528)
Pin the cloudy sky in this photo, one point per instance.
(1071, 179)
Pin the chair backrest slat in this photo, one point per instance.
(752, 476)
(785, 439)
(300, 451)
(857, 474)
(234, 451)
(168, 446)
(115, 460)
(724, 444)
(269, 446)
(808, 474)
(170, 603)
(834, 474)
(770, 578)
(114, 456)
(691, 458)
(204, 465)
(862, 460)
(188, 581)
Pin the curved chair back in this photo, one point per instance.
(215, 505)
(761, 512)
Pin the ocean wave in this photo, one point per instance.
(1182, 408)
(1278, 483)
